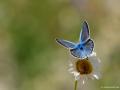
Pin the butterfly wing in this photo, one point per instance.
(76, 52)
(88, 47)
(66, 43)
(85, 33)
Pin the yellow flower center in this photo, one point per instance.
(84, 66)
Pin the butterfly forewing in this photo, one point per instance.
(66, 43)
(84, 34)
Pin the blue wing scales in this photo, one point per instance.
(88, 47)
(78, 53)
(85, 33)
(66, 43)
(85, 52)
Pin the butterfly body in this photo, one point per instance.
(85, 45)
(80, 46)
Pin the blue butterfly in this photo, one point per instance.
(84, 47)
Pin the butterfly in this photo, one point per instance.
(84, 47)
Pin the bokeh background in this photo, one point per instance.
(30, 59)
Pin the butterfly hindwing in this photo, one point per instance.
(88, 47)
(85, 33)
(66, 43)
(77, 53)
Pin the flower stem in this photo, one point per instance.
(75, 87)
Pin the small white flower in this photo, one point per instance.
(88, 68)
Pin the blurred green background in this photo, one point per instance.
(30, 59)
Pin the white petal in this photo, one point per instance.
(70, 64)
(70, 69)
(96, 76)
(91, 77)
(77, 77)
(93, 54)
(96, 63)
(83, 79)
(76, 74)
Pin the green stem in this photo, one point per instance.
(75, 87)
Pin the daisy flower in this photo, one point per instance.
(87, 68)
